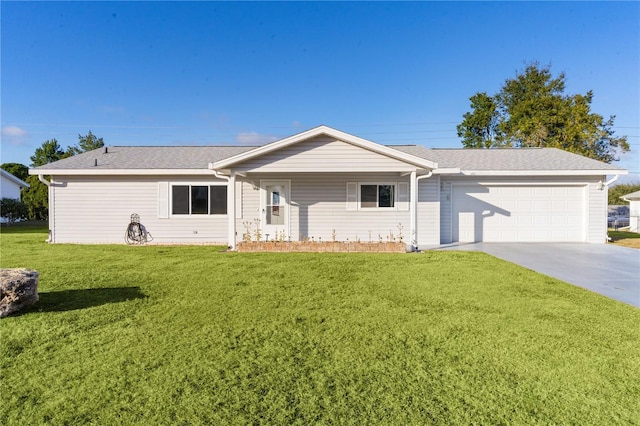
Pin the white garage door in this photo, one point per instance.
(518, 213)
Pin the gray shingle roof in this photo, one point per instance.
(148, 157)
(506, 159)
(198, 157)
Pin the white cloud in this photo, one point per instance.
(13, 131)
(14, 135)
(254, 138)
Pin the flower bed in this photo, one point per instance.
(321, 247)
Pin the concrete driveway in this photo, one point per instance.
(610, 270)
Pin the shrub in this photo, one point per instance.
(12, 209)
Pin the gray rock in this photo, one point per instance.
(18, 289)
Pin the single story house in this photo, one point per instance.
(634, 210)
(11, 185)
(327, 184)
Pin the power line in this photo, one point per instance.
(97, 126)
(424, 123)
(414, 139)
(410, 131)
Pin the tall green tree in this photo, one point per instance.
(48, 152)
(86, 143)
(532, 110)
(617, 191)
(36, 197)
(18, 170)
(480, 127)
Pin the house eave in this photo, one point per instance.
(542, 172)
(118, 172)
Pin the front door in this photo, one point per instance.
(275, 209)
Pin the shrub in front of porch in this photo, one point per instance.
(322, 247)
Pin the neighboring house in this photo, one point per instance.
(634, 210)
(324, 183)
(10, 185)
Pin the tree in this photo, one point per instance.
(532, 110)
(481, 125)
(86, 143)
(12, 210)
(36, 197)
(616, 191)
(48, 152)
(18, 170)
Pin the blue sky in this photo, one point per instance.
(196, 73)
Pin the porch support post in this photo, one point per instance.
(413, 209)
(231, 210)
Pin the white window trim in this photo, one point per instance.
(191, 215)
(377, 208)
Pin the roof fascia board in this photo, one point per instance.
(325, 130)
(447, 171)
(118, 172)
(543, 172)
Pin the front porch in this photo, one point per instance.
(326, 185)
(324, 208)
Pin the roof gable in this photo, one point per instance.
(316, 133)
(16, 180)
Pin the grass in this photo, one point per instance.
(192, 335)
(625, 238)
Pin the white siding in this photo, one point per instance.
(429, 211)
(445, 212)
(9, 189)
(98, 210)
(323, 154)
(318, 206)
(596, 207)
(634, 215)
(250, 207)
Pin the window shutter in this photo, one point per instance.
(352, 196)
(163, 200)
(403, 196)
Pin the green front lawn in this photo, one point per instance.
(624, 238)
(192, 335)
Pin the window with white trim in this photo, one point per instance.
(377, 196)
(198, 199)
